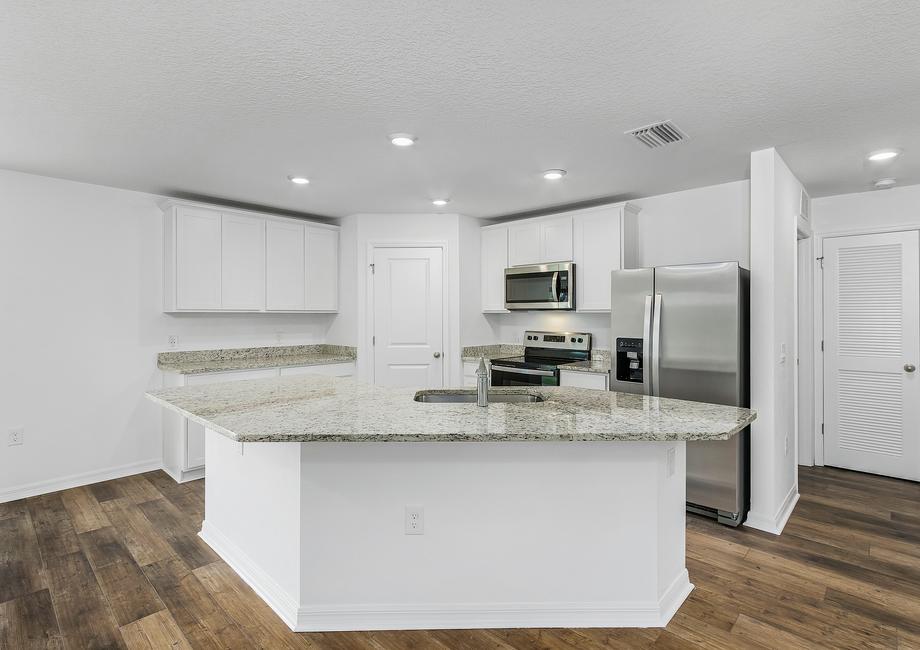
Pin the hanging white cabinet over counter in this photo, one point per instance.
(599, 240)
(225, 260)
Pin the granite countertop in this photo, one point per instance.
(325, 409)
(599, 366)
(472, 353)
(194, 362)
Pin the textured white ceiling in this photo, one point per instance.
(225, 99)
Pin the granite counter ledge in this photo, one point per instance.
(193, 362)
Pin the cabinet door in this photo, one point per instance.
(597, 252)
(556, 240)
(242, 262)
(329, 370)
(193, 453)
(322, 269)
(524, 244)
(198, 243)
(574, 379)
(285, 282)
(494, 259)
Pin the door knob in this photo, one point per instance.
(909, 367)
(437, 355)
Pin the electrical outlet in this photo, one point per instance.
(279, 336)
(415, 520)
(786, 445)
(672, 461)
(172, 340)
(17, 436)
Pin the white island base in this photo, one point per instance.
(516, 534)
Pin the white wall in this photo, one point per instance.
(358, 231)
(706, 224)
(899, 206)
(775, 194)
(81, 301)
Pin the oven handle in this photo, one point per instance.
(522, 371)
(556, 286)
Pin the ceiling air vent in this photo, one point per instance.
(658, 134)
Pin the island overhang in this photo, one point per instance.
(564, 513)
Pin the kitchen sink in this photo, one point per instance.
(467, 397)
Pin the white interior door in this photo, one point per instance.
(408, 317)
(872, 343)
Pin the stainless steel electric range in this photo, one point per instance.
(544, 353)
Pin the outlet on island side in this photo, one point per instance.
(17, 436)
(415, 520)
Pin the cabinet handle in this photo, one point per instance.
(437, 355)
(909, 367)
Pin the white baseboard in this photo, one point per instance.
(76, 480)
(673, 598)
(419, 616)
(777, 522)
(184, 476)
(281, 602)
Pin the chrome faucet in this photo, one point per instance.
(482, 383)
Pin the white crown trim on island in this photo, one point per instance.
(423, 616)
(77, 480)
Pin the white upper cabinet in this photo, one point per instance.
(604, 241)
(556, 239)
(322, 268)
(242, 263)
(537, 241)
(286, 283)
(219, 259)
(196, 251)
(524, 243)
(493, 261)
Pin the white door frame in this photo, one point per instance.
(804, 355)
(446, 356)
(819, 324)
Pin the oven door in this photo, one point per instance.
(511, 376)
(540, 286)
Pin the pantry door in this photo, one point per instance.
(408, 319)
(871, 350)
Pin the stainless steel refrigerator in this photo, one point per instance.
(682, 332)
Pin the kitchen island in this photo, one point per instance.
(568, 511)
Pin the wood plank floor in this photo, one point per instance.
(118, 564)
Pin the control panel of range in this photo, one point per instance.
(558, 340)
(629, 360)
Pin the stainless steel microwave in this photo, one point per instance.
(540, 286)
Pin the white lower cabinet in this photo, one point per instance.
(183, 440)
(469, 373)
(577, 379)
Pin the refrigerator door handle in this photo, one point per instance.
(656, 346)
(646, 347)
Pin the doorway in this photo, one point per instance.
(871, 320)
(407, 318)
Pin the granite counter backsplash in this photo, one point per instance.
(192, 362)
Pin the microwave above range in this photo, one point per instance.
(540, 286)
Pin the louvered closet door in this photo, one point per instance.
(872, 341)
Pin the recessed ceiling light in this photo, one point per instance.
(299, 180)
(403, 139)
(884, 154)
(440, 202)
(553, 174)
(885, 183)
